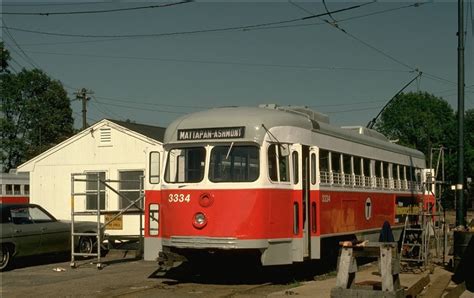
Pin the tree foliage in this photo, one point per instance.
(418, 120)
(424, 121)
(36, 115)
(469, 144)
(5, 57)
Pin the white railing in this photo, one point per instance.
(358, 181)
(325, 177)
(337, 178)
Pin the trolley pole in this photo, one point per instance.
(460, 208)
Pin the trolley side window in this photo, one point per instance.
(278, 164)
(234, 164)
(185, 165)
(154, 167)
(324, 166)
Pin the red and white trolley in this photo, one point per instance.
(278, 181)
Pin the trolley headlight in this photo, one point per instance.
(199, 220)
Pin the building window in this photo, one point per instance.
(129, 188)
(94, 194)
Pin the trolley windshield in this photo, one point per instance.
(228, 163)
(234, 164)
(185, 165)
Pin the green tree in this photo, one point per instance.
(36, 115)
(469, 149)
(419, 120)
(5, 57)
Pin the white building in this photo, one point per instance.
(113, 150)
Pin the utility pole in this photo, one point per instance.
(82, 95)
(460, 208)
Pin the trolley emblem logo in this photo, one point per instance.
(368, 208)
(211, 133)
(179, 198)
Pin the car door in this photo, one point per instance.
(26, 235)
(55, 235)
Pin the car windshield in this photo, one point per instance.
(234, 163)
(185, 165)
(29, 214)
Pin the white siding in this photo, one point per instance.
(50, 175)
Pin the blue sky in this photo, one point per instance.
(153, 80)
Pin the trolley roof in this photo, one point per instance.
(257, 121)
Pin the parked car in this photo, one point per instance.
(28, 229)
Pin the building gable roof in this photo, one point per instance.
(154, 132)
(148, 133)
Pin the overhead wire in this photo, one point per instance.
(96, 11)
(341, 20)
(223, 29)
(145, 109)
(26, 4)
(336, 25)
(270, 27)
(28, 59)
(23, 54)
(233, 63)
(329, 14)
(354, 110)
(129, 100)
(103, 111)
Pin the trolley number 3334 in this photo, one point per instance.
(179, 198)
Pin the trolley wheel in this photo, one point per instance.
(73, 265)
(100, 266)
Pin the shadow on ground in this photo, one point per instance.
(215, 270)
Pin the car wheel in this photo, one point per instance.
(86, 245)
(5, 257)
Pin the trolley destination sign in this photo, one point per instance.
(211, 133)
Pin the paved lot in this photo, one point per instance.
(128, 277)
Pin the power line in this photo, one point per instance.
(346, 104)
(107, 113)
(55, 4)
(341, 20)
(128, 100)
(144, 109)
(25, 56)
(233, 63)
(264, 28)
(329, 14)
(28, 58)
(96, 11)
(233, 28)
(354, 110)
(335, 25)
(438, 78)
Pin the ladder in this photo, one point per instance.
(414, 242)
(416, 237)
